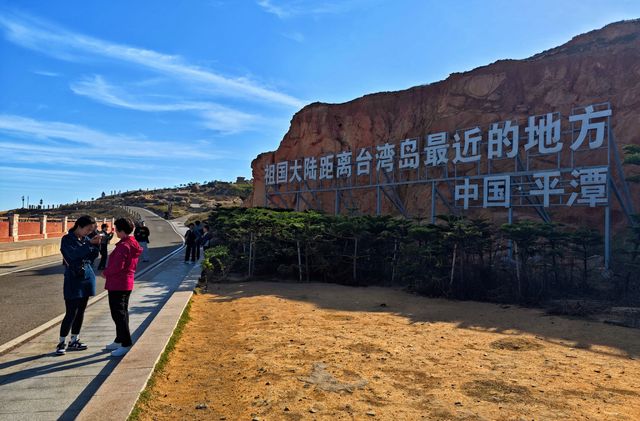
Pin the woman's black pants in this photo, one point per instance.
(119, 306)
(74, 316)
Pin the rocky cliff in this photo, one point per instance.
(599, 66)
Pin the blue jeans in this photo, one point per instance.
(145, 251)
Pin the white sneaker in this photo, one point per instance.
(113, 345)
(120, 352)
(61, 348)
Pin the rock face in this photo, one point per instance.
(600, 66)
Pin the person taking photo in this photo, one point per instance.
(78, 251)
(106, 237)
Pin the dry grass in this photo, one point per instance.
(277, 351)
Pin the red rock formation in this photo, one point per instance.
(600, 66)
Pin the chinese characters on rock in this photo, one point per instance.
(504, 140)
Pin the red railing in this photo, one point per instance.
(54, 229)
(5, 235)
(31, 228)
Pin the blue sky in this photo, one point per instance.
(97, 96)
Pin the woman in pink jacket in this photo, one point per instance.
(120, 271)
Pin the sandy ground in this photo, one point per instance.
(279, 351)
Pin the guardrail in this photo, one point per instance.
(15, 228)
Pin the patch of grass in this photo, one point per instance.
(515, 344)
(200, 216)
(616, 391)
(578, 308)
(147, 393)
(497, 391)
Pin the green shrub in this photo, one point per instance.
(217, 260)
(456, 257)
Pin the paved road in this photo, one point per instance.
(32, 297)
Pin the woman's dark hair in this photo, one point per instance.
(206, 226)
(124, 224)
(83, 221)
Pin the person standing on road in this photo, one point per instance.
(104, 244)
(119, 275)
(199, 233)
(141, 235)
(93, 233)
(207, 238)
(79, 280)
(190, 240)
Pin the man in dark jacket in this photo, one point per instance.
(104, 243)
(141, 234)
(207, 238)
(199, 233)
(191, 241)
(92, 234)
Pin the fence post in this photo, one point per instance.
(65, 222)
(13, 226)
(43, 226)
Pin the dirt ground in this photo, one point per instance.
(280, 351)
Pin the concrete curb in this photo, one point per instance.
(6, 347)
(117, 396)
(29, 252)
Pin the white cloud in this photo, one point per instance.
(292, 8)
(227, 120)
(67, 45)
(213, 116)
(46, 73)
(53, 155)
(85, 143)
(269, 7)
(295, 36)
(19, 172)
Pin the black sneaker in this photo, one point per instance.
(76, 346)
(60, 349)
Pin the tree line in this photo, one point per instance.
(457, 257)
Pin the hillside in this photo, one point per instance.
(166, 202)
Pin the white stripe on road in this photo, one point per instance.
(52, 263)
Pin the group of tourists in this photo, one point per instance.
(80, 247)
(198, 236)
